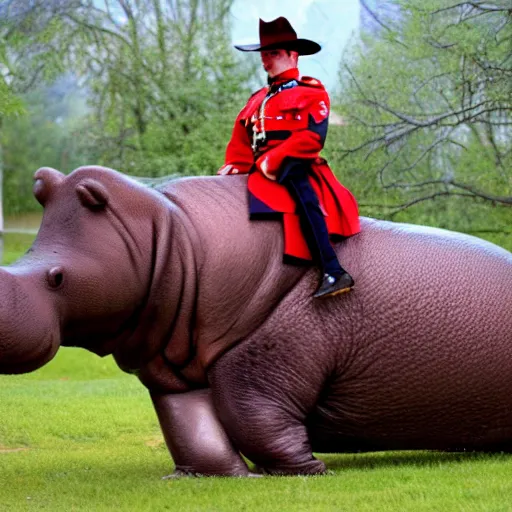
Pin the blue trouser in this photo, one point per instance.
(294, 176)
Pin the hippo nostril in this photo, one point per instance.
(55, 277)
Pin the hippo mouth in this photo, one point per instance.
(25, 363)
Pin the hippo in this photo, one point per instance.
(183, 290)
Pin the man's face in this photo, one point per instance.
(276, 62)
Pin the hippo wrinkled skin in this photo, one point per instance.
(185, 292)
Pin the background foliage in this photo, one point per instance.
(151, 88)
(427, 101)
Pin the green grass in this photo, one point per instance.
(80, 435)
(15, 244)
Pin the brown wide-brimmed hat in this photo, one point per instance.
(278, 34)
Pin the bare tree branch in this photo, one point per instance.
(476, 5)
(489, 197)
(374, 16)
(395, 209)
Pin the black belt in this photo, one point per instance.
(272, 135)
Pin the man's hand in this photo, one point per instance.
(227, 169)
(264, 170)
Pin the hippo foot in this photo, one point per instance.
(188, 473)
(178, 473)
(311, 467)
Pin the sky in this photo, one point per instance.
(330, 23)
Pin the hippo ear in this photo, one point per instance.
(46, 179)
(40, 190)
(92, 194)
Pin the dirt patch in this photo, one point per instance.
(154, 442)
(23, 222)
(4, 449)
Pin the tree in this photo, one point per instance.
(28, 56)
(161, 80)
(48, 135)
(34, 41)
(165, 82)
(428, 101)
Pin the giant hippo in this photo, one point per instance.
(239, 359)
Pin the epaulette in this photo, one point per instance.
(309, 81)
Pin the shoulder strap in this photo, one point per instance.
(309, 81)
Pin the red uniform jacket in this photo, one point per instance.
(294, 121)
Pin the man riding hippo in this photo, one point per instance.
(239, 359)
(277, 139)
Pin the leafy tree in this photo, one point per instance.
(30, 54)
(427, 100)
(34, 42)
(48, 135)
(165, 83)
(160, 77)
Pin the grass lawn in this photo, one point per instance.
(15, 244)
(80, 435)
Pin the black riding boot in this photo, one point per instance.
(335, 279)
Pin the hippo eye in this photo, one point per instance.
(55, 277)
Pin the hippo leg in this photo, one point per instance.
(194, 436)
(264, 414)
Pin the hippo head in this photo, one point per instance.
(84, 277)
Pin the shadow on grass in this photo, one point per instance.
(376, 460)
(138, 468)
